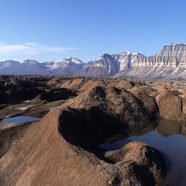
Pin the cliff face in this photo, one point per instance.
(106, 65)
(172, 55)
(128, 60)
(169, 63)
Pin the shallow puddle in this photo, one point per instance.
(170, 139)
(19, 119)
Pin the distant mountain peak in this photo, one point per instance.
(70, 60)
(30, 61)
(169, 63)
(106, 55)
(129, 53)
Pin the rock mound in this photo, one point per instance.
(47, 155)
(63, 147)
(121, 104)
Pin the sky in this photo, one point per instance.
(48, 30)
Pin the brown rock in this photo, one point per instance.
(184, 106)
(145, 162)
(127, 108)
(170, 106)
(125, 84)
(149, 104)
(43, 156)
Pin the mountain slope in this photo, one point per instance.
(67, 66)
(10, 67)
(106, 65)
(169, 63)
(33, 67)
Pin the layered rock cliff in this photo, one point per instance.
(169, 63)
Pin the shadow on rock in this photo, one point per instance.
(88, 128)
(57, 94)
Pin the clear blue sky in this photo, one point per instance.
(54, 29)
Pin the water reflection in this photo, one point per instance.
(168, 128)
(169, 137)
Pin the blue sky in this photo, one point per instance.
(54, 29)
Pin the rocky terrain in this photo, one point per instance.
(77, 115)
(169, 63)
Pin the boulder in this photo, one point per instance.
(170, 105)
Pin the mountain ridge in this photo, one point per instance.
(169, 63)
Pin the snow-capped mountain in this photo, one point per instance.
(106, 65)
(10, 67)
(33, 67)
(67, 66)
(128, 59)
(169, 63)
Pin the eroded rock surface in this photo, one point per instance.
(62, 149)
(170, 105)
(44, 156)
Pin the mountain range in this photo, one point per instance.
(169, 63)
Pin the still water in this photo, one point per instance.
(19, 119)
(170, 139)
